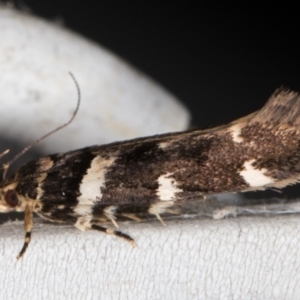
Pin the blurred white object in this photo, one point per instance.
(37, 94)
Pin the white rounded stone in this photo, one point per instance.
(37, 94)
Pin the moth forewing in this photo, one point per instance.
(135, 179)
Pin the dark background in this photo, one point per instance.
(223, 60)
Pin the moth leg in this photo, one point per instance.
(109, 212)
(28, 225)
(159, 208)
(114, 232)
(132, 217)
(160, 219)
(114, 222)
(173, 211)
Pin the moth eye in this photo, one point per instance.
(11, 198)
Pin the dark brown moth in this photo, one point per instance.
(130, 180)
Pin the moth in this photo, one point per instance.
(132, 180)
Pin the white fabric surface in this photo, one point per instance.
(242, 258)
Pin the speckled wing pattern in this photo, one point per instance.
(134, 179)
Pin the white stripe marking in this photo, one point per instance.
(255, 177)
(167, 187)
(164, 145)
(90, 187)
(235, 131)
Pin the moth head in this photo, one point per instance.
(10, 201)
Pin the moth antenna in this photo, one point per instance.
(28, 147)
(4, 152)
